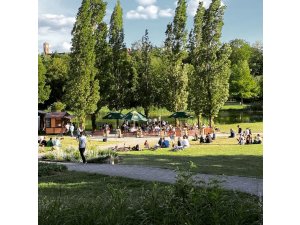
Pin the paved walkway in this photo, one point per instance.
(244, 184)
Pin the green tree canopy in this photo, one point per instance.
(242, 82)
(43, 89)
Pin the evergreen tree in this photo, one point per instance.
(83, 92)
(43, 89)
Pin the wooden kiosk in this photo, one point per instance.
(55, 122)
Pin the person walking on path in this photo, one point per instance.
(82, 146)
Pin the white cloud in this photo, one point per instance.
(166, 13)
(148, 12)
(193, 5)
(146, 2)
(56, 30)
(141, 12)
(67, 46)
(55, 21)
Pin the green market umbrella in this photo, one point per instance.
(114, 116)
(135, 116)
(180, 115)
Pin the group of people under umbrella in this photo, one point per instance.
(135, 116)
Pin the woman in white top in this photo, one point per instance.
(185, 143)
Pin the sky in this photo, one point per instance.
(243, 19)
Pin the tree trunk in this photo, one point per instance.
(242, 102)
(211, 121)
(199, 119)
(146, 109)
(82, 120)
(176, 122)
(94, 125)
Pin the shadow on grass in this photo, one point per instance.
(239, 165)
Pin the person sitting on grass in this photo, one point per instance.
(49, 143)
(195, 137)
(43, 143)
(232, 133)
(208, 138)
(146, 145)
(160, 141)
(202, 139)
(136, 148)
(241, 140)
(179, 145)
(248, 139)
(185, 142)
(214, 136)
(257, 139)
(56, 144)
(165, 143)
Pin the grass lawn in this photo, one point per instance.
(236, 106)
(68, 142)
(69, 198)
(223, 156)
(256, 127)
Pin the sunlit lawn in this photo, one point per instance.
(256, 127)
(223, 156)
(72, 141)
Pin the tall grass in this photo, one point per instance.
(178, 204)
(72, 154)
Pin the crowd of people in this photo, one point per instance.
(245, 137)
(55, 143)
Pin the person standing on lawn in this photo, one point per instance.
(71, 129)
(82, 146)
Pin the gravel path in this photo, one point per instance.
(243, 184)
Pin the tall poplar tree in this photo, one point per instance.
(146, 89)
(212, 69)
(122, 75)
(196, 84)
(82, 94)
(175, 51)
(98, 8)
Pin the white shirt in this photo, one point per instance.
(82, 141)
(185, 143)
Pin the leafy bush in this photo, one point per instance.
(46, 169)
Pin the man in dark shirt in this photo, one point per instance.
(239, 129)
(208, 138)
